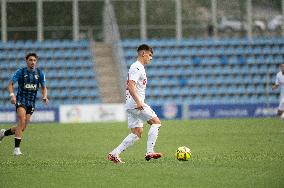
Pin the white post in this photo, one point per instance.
(39, 21)
(178, 20)
(143, 26)
(214, 18)
(75, 16)
(249, 19)
(3, 21)
(282, 7)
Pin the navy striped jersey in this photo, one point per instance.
(28, 84)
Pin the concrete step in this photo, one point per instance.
(108, 80)
(110, 89)
(100, 45)
(103, 60)
(102, 49)
(107, 73)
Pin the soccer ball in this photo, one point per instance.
(183, 153)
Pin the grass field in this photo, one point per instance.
(225, 153)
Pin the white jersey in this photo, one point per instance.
(280, 81)
(136, 73)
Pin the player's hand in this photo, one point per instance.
(13, 99)
(274, 87)
(45, 100)
(140, 105)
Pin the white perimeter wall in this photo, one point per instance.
(91, 113)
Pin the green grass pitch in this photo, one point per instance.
(225, 153)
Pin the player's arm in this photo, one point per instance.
(13, 80)
(44, 94)
(43, 88)
(11, 92)
(132, 90)
(276, 84)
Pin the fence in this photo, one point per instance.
(45, 19)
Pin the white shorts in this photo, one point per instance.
(281, 105)
(137, 117)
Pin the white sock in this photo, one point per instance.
(152, 137)
(128, 141)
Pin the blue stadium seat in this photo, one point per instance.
(65, 63)
(215, 71)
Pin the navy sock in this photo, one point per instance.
(8, 132)
(17, 142)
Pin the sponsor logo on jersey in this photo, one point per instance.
(30, 86)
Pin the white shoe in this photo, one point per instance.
(2, 131)
(114, 158)
(17, 152)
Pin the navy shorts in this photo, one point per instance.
(29, 109)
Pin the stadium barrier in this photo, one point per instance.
(168, 111)
(173, 111)
(42, 115)
(231, 111)
(92, 113)
(116, 112)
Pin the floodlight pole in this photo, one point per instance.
(3, 21)
(214, 18)
(178, 20)
(249, 19)
(143, 20)
(39, 21)
(282, 7)
(75, 17)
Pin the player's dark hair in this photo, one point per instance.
(145, 47)
(31, 54)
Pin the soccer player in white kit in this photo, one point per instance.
(279, 82)
(138, 111)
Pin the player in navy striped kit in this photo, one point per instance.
(28, 78)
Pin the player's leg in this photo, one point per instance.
(281, 109)
(279, 112)
(152, 138)
(136, 127)
(22, 118)
(29, 112)
(28, 119)
(127, 142)
(153, 133)
(8, 132)
(12, 130)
